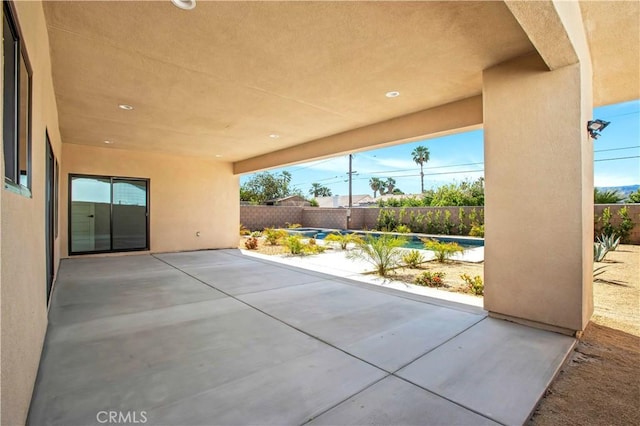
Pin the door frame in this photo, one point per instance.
(51, 218)
(147, 182)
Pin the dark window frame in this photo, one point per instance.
(111, 249)
(11, 140)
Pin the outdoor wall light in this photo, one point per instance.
(594, 127)
(184, 4)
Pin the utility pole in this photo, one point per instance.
(350, 181)
(351, 173)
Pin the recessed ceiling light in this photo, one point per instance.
(393, 94)
(108, 142)
(125, 107)
(274, 136)
(184, 4)
(218, 155)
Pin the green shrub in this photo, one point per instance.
(274, 236)
(403, 229)
(462, 227)
(294, 244)
(244, 230)
(383, 252)
(292, 225)
(413, 258)
(256, 234)
(314, 203)
(626, 224)
(251, 243)
(431, 279)
(474, 285)
(477, 231)
(387, 221)
(443, 251)
(343, 239)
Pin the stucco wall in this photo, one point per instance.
(187, 195)
(23, 273)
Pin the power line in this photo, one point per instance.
(619, 158)
(617, 149)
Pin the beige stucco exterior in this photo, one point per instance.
(22, 273)
(187, 195)
(205, 106)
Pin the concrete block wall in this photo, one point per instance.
(259, 217)
(256, 218)
(324, 218)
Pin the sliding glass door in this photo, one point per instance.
(108, 214)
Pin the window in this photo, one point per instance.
(16, 130)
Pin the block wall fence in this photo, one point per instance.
(257, 218)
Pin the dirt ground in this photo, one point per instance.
(600, 383)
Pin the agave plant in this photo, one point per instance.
(610, 242)
(599, 252)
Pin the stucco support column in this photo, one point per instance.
(539, 193)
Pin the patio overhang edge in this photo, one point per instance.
(462, 115)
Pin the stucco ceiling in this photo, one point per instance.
(218, 80)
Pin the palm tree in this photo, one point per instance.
(606, 196)
(390, 185)
(421, 156)
(376, 185)
(318, 190)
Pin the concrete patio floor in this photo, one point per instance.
(219, 338)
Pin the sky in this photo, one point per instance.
(455, 158)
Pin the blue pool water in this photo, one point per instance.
(413, 240)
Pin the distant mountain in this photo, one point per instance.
(623, 190)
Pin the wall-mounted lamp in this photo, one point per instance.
(184, 4)
(594, 127)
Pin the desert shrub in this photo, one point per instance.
(477, 231)
(274, 236)
(431, 279)
(251, 243)
(608, 228)
(314, 203)
(443, 251)
(413, 258)
(244, 230)
(383, 252)
(292, 225)
(343, 239)
(474, 285)
(294, 244)
(387, 220)
(403, 229)
(626, 224)
(256, 234)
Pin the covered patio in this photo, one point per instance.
(216, 337)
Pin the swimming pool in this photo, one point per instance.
(413, 240)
